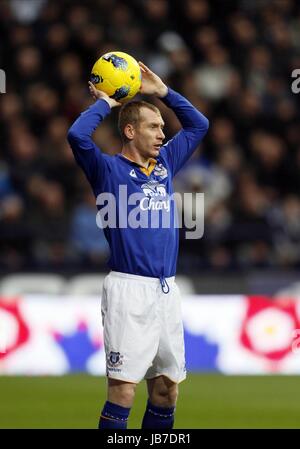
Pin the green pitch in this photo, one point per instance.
(205, 401)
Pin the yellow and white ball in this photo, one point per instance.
(118, 75)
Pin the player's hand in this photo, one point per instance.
(151, 83)
(98, 94)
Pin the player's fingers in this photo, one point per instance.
(93, 93)
(92, 87)
(143, 66)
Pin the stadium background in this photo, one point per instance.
(233, 60)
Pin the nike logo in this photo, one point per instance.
(133, 173)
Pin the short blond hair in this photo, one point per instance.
(130, 114)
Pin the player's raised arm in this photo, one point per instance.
(85, 151)
(194, 123)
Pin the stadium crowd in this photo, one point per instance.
(232, 59)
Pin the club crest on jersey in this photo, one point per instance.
(161, 171)
(114, 359)
(153, 189)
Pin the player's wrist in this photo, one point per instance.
(104, 105)
(162, 91)
(110, 101)
(107, 100)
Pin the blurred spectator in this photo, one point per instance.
(16, 236)
(86, 238)
(5, 181)
(26, 11)
(213, 77)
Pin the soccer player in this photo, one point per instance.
(141, 312)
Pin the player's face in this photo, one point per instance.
(149, 136)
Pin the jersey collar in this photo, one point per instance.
(147, 171)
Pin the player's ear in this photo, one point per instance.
(129, 131)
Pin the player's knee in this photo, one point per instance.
(173, 395)
(122, 394)
(126, 397)
(165, 396)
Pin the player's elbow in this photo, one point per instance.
(75, 137)
(78, 140)
(203, 126)
(206, 124)
(72, 135)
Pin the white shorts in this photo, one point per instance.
(143, 329)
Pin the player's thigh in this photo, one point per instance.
(170, 358)
(131, 328)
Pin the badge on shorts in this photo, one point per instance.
(114, 359)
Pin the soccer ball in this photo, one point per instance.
(118, 75)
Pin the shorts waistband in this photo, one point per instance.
(137, 277)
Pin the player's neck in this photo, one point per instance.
(133, 155)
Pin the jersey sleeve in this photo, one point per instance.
(88, 156)
(194, 127)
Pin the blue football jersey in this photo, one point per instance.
(143, 237)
